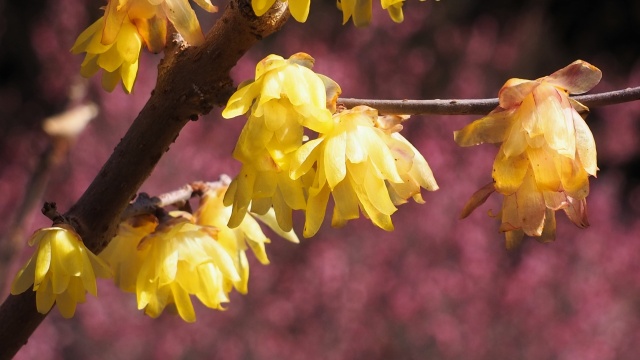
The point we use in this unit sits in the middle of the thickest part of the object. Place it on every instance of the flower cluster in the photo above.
(166, 262)
(547, 152)
(358, 156)
(113, 43)
(61, 271)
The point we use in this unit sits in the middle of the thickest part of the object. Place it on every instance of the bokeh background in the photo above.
(435, 288)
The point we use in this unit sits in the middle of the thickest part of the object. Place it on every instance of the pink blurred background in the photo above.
(435, 288)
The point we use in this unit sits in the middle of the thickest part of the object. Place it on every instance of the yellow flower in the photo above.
(285, 97)
(547, 152)
(62, 270)
(365, 166)
(150, 18)
(118, 59)
(299, 8)
(360, 10)
(113, 43)
(212, 212)
(122, 253)
(179, 259)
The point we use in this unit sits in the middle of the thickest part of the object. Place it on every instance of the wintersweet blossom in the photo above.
(299, 8)
(212, 212)
(61, 271)
(547, 152)
(365, 165)
(360, 10)
(285, 97)
(123, 255)
(118, 59)
(113, 43)
(182, 259)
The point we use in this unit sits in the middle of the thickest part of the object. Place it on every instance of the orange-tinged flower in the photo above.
(547, 152)
(61, 271)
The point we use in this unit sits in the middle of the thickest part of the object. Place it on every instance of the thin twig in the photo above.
(478, 106)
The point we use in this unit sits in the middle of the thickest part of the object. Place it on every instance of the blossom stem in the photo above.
(478, 106)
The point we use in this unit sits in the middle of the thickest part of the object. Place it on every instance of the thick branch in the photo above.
(478, 106)
(190, 82)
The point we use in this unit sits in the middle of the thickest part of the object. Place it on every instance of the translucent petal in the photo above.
(240, 102)
(269, 219)
(305, 157)
(492, 128)
(556, 123)
(316, 207)
(153, 32)
(89, 66)
(24, 278)
(283, 211)
(585, 145)
(577, 77)
(513, 239)
(85, 37)
(113, 21)
(516, 142)
(577, 212)
(44, 298)
(182, 16)
(335, 159)
(531, 206)
(395, 12)
(129, 72)
(549, 228)
(361, 13)
(129, 43)
(110, 80)
(346, 203)
(206, 5)
(377, 194)
(508, 173)
(183, 303)
(544, 169)
(43, 262)
(575, 179)
(514, 91)
(291, 191)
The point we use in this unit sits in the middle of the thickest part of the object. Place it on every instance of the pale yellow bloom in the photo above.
(299, 8)
(212, 212)
(61, 271)
(118, 59)
(179, 259)
(113, 43)
(122, 253)
(360, 10)
(364, 166)
(547, 152)
(285, 97)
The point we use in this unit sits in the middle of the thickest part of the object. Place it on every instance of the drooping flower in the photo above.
(113, 43)
(61, 271)
(360, 10)
(122, 253)
(212, 212)
(365, 166)
(547, 152)
(118, 59)
(285, 97)
(299, 8)
(180, 259)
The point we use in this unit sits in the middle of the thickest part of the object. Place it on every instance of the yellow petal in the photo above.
(182, 16)
(585, 146)
(492, 128)
(299, 9)
(508, 173)
(316, 207)
(531, 206)
(577, 77)
(544, 169)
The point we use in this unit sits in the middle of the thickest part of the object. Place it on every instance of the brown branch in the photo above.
(144, 204)
(190, 82)
(478, 106)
